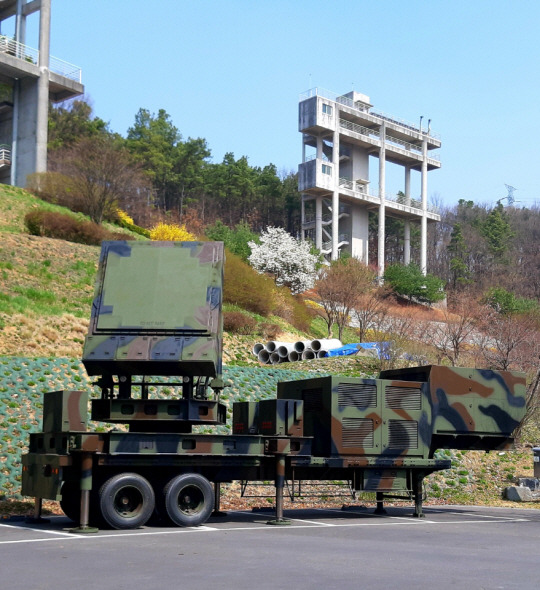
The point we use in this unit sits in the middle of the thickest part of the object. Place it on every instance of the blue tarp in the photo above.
(354, 348)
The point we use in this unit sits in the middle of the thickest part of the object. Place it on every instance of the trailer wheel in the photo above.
(189, 499)
(126, 501)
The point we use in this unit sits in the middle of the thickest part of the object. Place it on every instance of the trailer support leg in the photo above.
(37, 518)
(86, 487)
(380, 504)
(217, 500)
(418, 497)
(280, 484)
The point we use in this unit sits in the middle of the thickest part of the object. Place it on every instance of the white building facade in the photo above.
(29, 79)
(339, 134)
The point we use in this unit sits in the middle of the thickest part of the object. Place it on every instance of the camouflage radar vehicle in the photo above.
(157, 313)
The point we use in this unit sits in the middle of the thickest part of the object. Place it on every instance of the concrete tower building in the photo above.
(29, 79)
(339, 134)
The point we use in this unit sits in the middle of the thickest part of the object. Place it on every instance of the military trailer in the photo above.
(157, 312)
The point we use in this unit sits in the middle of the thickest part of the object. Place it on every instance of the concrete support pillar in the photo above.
(20, 36)
(407, 223)
(302, 217)
(318, 223)
(319, 148)
(20, 24)
(382, 206)
(43, 86)
(423, 230)
(335, 196)
(15, 132)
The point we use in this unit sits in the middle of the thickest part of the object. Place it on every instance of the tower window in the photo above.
(327, 169)
(327, 109)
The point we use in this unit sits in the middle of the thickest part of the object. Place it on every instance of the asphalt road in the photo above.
(453, 547)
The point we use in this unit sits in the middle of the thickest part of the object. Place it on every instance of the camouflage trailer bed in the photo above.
(157, 311)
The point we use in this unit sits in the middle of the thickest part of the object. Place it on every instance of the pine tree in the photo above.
(458, 262)
(498, 233)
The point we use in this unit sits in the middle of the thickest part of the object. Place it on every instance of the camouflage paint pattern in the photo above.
(166, 411)
(157, 310)
(269, 417)
(401, 422)
(64, 411)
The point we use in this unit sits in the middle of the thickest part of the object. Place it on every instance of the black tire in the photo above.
(126, 501)
(189, 499)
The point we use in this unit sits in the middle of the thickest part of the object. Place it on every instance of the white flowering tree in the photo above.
(288, 260)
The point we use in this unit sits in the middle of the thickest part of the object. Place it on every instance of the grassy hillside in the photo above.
(47, 285)
(45, 297)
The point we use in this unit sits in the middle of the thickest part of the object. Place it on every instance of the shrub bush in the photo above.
(124, 220)
(293, 309)
(410, 282)
(236, 240)
(174, 232)
(244, 287)
(269, 331)
(237, 322)
(56, 188)
(62, 226)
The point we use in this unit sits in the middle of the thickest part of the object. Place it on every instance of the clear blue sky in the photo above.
(231, 71)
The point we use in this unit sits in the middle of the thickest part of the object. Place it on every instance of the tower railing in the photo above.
(31, 55)
(361, 130)
(5, 155)
(361, 189)
(340, 99)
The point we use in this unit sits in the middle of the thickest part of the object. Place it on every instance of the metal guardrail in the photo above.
(357, 187)
(355, 128)
(342, 239)
(413, 203)
(16, 49)
(310, 218)
(314, 157)
(5, 155)
(64, 68)
(31, 55)
(371, 133)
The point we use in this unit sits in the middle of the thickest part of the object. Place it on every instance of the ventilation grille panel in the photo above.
(357, 432)
(402, 434)
(312, 400)
(357, 395)
(403, 398)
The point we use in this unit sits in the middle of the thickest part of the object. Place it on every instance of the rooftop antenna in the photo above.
(421, 117)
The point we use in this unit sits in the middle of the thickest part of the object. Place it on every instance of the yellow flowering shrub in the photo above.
(123, 216)
(171, 232)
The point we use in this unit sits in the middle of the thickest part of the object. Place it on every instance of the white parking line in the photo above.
(306, 524)
(27, 528)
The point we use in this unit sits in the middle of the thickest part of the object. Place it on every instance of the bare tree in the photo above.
(369, 312)
(393, 332)
(103, 175)
(339, 288)
(532, 403)
(510, 341)
(452, 334)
